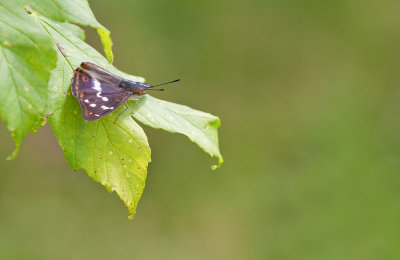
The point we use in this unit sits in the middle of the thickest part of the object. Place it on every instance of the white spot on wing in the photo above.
(96, 85)
(98, 94)
(105, 107)
(92, 105)
(86, 100)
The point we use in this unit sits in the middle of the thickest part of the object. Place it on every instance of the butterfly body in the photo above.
(100, 92)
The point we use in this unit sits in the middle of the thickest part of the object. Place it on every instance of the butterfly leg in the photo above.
(134, 105)
(126, 107)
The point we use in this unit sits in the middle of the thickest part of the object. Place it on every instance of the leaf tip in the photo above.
(14, 153)
(107, 43)
(216, 166)
(132, 211)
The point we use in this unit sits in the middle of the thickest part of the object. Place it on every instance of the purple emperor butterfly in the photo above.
(99, 92)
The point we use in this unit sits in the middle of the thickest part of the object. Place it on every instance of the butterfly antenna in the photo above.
(158, 89)
(166, 83)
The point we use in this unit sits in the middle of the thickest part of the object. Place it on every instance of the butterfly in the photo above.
(100, 92)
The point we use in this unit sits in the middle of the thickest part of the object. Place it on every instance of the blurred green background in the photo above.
(308, 94)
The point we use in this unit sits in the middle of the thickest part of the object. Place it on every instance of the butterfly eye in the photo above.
(84, 78)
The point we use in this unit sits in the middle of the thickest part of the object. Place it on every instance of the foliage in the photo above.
(35, 87)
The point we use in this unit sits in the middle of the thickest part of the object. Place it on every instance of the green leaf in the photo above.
(27, 55)
(200, 127)
(100, 147)
(26, 58)
(116, 155)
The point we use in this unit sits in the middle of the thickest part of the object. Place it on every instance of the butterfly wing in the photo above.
(98, 92)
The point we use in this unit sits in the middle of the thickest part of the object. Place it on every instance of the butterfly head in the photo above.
(136, 88)
(141, 88)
